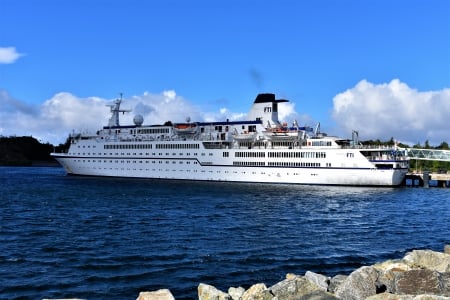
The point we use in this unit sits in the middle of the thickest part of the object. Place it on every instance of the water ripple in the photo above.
(64, 237)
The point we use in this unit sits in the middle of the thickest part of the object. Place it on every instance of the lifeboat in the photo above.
(282, 133)
(185, 128)
(244, 136)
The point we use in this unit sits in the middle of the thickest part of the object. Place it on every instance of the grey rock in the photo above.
(317, 295)
(163, 294)
(387, 296)
(335, 282)
(318, 279)
(293, 287)
(257, 291)
(427, 259)
(417, 282)
(360, 284)
(445, 280)
(447, 249)
(236, 293)
(209, 292)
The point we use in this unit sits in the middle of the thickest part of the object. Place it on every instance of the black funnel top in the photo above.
(267, 97)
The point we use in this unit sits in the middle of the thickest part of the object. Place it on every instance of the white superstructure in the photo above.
(259, 150)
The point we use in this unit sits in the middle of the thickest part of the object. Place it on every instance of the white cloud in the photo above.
(382, 111)
(377, 111)
(8, 55)
(64, 113)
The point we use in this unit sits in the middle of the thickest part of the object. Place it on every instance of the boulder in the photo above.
(447, 249)
(418, 282)
(386, 271)
(209, 292)
(236, 293)
(293, 287)
(318, 279)
(392, 265)
(163, 294)
(430, 297)
(360, 284)
(317, 295)
(387, 296)
(257, 291)
(335, 282)
(428, 259)
(445, 279)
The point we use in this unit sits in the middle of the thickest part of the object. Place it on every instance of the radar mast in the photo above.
(115, 110)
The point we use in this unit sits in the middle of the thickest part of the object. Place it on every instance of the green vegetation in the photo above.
(24, 151)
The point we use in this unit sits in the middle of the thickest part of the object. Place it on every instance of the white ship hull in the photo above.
(218, 152)
(192, 169)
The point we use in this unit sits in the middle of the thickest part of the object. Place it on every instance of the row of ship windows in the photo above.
(225, 154)
(177, 146)
(235, 163)
(322, 143)
(88, 146)
(249, 163)
(150, 146)
(128, 146)
(249, 154)
(152, 131)
(129, 153)
(298, 154)
(281, 154)
(193, 171)
(277, 164)
(295, 164)
(132, 161)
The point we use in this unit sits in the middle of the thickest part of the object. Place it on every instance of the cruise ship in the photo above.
(261, 149)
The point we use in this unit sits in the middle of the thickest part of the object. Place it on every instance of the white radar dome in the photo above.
(138, 120)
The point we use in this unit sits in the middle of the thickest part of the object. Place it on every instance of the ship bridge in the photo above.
(428, 154)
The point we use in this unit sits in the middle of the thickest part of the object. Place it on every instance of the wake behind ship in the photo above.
(261, 149)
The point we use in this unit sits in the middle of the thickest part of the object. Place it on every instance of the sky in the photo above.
(381, 67)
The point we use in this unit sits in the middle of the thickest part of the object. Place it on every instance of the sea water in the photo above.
(110, 238)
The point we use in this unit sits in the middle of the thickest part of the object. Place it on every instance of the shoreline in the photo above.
(34, 163)
(419, 275)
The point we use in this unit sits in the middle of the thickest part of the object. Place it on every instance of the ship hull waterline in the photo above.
(287, 175)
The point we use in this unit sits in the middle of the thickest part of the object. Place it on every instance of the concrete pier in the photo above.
(426, 179)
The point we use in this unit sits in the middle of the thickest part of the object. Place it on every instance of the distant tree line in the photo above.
(25, 150)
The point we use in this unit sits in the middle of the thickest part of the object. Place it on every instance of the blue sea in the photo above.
(104, 238)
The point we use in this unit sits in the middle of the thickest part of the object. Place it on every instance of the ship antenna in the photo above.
(115, 110)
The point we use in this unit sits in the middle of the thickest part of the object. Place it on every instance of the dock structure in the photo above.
(428, 154)
(423, 179)
(426, 178)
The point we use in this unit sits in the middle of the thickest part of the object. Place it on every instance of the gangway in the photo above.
(428, 154)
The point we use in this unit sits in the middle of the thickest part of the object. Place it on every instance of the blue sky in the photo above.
(380, 67)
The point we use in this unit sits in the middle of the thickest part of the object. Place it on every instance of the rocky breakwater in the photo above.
(420, 275)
